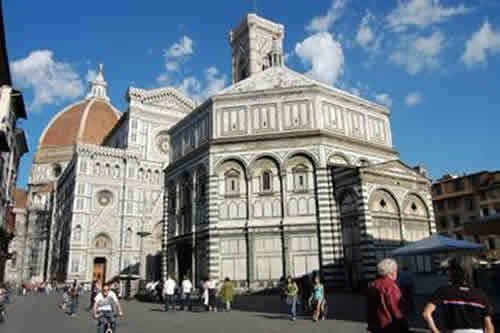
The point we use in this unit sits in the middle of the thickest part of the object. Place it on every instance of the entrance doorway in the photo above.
(185, 260)
(99, 270)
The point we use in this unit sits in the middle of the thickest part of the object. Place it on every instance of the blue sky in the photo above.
(435, 64)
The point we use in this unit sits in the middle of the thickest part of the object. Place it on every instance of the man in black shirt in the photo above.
(465, 309)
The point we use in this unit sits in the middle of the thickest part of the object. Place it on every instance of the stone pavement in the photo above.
(40, 314)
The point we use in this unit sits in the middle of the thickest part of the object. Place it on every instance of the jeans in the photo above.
(292, 306)
(73, 306)
(187, 302)
(103, 318)
(169, 301)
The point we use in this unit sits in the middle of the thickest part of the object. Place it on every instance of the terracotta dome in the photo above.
(84, 122)
(88, 121)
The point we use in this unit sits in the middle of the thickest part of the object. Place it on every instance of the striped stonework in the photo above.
(164, 258)
(213, 261)
(367, 246)
(330, 237)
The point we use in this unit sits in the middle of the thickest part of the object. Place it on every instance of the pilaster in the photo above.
(330, 238)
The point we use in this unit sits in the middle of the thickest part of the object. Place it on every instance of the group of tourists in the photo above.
(389, 300)
(212, 296)
(464, 309)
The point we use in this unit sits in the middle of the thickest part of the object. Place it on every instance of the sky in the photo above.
(434, 64)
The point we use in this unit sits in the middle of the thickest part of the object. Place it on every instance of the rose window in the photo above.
(104, 198)
(162, 143)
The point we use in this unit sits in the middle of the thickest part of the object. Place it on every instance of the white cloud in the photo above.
(91, 75)
(419, 53)
(190, 86)
(384, 99)
(177, 53)
(413, 99)
(163, 79)
(365, 33)
(482, 41)
(182, 48)
(51, 81)
(324, 55)
(365, 36)
(322, 23)
(421, 14)
(213, 82)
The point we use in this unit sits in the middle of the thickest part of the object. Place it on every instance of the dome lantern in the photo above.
(98, 86)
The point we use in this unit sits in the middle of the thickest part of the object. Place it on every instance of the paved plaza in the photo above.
(40, 314)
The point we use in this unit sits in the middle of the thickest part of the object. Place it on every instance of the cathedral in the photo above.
(276, 174)
(280, 174)
(96, 187)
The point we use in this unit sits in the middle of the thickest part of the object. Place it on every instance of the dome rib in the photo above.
(88, 121)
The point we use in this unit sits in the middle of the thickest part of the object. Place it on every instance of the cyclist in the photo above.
(106, 306)
(3, 303)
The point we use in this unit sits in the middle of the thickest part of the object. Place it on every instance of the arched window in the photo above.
(232, 180)
(102, 242)
(128, 237)
(267, 181)
(300, 178)
(77, 236)
(116, 172)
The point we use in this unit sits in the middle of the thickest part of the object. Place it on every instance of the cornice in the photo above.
(304, 134)
(88, 149)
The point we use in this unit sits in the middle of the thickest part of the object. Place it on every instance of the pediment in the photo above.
(272, 78)
(167, 97)
(396, 168)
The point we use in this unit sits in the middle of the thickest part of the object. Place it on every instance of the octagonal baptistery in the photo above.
(257, 171)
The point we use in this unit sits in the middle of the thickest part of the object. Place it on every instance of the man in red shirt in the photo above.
(383, 298)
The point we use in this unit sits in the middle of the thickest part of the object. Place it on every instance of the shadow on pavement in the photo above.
(280, 317)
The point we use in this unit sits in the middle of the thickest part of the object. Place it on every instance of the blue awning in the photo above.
(437, 244)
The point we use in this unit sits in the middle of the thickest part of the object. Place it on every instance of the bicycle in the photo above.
(108, 322)
(108, 326)
(3, 316)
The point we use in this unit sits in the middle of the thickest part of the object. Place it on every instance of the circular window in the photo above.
(104, 198)
(162, 143)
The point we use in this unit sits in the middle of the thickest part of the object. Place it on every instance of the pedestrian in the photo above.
(382, 301)
(407, 286)
(204, 293)
(465, 309)
(211, 285)
(227, 293)
(291, 292)
(94, 290)
(159, 290)
(169, 293)
(187, 288)
(65, 299)
(74, 295)
(317, 298)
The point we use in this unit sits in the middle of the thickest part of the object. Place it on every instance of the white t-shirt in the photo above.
(211, 284)
(187, 286)
(169, 287)
(104, 303)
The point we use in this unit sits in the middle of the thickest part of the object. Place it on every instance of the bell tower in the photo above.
(256, 44)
